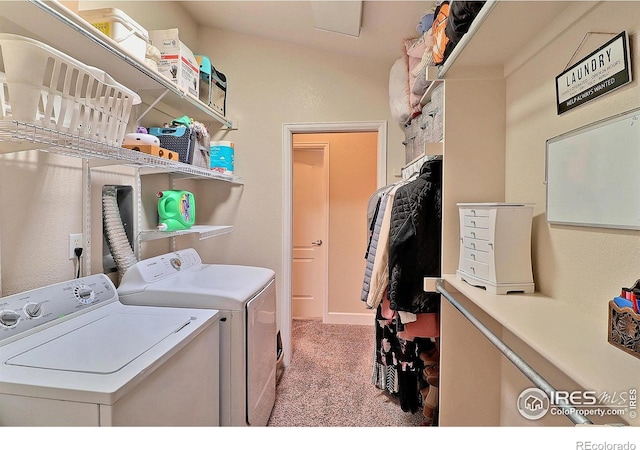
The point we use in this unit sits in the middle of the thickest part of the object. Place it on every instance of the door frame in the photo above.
(288, 130)
(324, 148)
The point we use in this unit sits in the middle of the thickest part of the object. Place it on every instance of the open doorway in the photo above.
(379, 131)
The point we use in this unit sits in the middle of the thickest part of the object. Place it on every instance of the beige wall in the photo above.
(270, 84)
(585, 266)
(352, 180)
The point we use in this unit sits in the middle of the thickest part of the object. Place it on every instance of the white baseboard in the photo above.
(352, 318)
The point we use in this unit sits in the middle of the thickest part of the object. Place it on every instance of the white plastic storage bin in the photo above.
(44, 87)
(125, 31)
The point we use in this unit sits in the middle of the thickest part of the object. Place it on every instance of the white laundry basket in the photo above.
(45, 87)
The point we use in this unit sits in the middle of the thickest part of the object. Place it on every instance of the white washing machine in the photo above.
(71, 355)
(246, 298)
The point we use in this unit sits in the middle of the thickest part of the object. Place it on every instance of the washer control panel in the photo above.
(23, 312)
(163, 266)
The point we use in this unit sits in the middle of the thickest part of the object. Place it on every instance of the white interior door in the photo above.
(310, 224)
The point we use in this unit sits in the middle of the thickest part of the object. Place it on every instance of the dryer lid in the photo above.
(103, 346)
(219, 286)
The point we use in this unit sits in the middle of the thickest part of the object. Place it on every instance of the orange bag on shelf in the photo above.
(441, 43)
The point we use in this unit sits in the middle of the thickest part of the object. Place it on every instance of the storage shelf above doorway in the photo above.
(485, 45)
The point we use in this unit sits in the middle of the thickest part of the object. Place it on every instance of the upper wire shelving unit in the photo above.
(52, 22)
(18, 136)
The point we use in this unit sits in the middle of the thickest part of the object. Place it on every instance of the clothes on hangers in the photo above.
(373, 206)
(380, 262)
(424, 325)
(400, 366)
(376, 270)
(403, 249)
(376, 227)
(415, 237)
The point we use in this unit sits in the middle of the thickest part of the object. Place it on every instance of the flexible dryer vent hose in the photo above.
(114, 231)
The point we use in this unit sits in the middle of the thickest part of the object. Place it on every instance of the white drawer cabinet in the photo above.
(495, 246)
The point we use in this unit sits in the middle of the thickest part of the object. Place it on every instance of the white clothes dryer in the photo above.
(72, 355)
(246, 298)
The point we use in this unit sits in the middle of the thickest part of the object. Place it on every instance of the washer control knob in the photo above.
(176, 263)
(9, 318)
(84, 294)
(33, 309)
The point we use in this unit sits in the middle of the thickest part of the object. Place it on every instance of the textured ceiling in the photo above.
(384, 24)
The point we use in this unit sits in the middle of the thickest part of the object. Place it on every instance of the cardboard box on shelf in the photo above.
(154, 150)
(177, 61)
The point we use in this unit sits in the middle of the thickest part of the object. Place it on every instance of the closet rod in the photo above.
(521, 364)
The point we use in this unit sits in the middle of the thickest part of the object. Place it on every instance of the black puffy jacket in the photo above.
(415, 240)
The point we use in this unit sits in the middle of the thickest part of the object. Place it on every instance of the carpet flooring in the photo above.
(328, 382)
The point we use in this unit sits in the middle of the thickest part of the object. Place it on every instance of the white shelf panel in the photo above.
(495, 36)
(431, 149)
(205, 232)
(571, 340)
(432, 74)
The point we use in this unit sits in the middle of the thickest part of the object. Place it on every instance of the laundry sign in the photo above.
(602, 71)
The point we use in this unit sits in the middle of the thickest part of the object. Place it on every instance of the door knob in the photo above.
(318, 242)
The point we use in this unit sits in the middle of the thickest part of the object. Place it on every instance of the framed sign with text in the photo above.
(600, 72)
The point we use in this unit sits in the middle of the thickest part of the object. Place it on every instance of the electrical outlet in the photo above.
(75, 241)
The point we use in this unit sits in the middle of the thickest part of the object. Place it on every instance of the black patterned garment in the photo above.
(398, 367)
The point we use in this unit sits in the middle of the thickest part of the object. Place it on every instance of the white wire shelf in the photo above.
(205, 232)
(19, 136)
(53, 20)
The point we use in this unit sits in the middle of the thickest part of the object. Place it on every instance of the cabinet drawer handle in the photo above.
(473, 255)
(473, 222)
(491, 245)
(473, 211)
(473, 234)
(473, 245)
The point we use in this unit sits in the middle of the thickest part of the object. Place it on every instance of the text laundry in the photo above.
(587, 67)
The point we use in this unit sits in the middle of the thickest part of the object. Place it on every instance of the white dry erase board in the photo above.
(593, 174)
